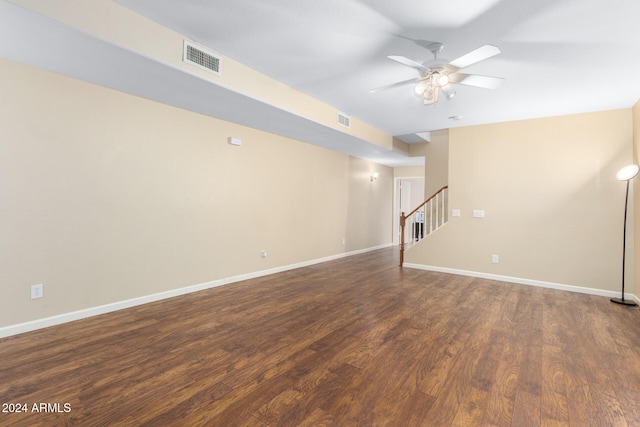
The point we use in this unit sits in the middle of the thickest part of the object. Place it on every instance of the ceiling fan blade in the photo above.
(485, 82)
(475, 56)
(408, 62)
(392, 85)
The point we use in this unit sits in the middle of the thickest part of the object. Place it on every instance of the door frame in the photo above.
(395, 226)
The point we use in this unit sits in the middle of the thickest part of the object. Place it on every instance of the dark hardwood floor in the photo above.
(353, 342)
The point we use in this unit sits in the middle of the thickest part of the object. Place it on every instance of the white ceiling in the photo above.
(558, 57)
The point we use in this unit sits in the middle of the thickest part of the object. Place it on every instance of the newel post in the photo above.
(403, 219)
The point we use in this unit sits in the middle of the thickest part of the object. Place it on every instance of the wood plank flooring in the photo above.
(353, 342)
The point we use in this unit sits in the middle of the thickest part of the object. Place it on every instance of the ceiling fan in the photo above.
(437, 75)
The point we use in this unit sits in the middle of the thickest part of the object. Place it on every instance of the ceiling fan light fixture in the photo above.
(421, 88)
(449, 92)
(429, 93)
(442, 80)
(443, 75)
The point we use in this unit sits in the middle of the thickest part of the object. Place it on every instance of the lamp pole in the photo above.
(625, 174)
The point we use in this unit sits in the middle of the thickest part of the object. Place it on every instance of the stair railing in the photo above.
(424, 220)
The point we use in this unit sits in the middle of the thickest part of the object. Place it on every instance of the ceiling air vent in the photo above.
(344, 120)
(202, 58)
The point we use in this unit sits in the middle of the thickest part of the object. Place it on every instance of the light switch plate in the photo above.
(478, 213)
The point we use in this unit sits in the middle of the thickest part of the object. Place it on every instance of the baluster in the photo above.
(411, 233)
(416, 236)
(430, 216)
(444, 199)
(403, 220)
(437, 211)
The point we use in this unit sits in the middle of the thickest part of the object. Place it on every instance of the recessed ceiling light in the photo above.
(455, 118)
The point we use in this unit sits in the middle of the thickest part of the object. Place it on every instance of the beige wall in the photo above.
(636, 191)
(436, 163)
(409, 172)
(369, 205)
(106, 197)
(109, 21)
(553, 206)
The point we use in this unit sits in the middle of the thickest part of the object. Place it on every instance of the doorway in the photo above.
(408, 194)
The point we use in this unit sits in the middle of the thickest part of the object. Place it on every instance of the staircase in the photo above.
(423, 220)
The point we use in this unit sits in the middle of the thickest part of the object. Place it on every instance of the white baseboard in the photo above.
(520, 281)
(301, 264)
(33, 325)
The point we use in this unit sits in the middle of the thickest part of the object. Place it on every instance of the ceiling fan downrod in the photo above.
(435, 49)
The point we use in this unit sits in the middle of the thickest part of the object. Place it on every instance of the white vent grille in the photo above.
(344, 120)
(202, 58)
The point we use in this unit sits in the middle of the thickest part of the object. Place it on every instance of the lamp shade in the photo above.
(627, 172)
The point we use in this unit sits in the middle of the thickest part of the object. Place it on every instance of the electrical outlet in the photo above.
(263, 254)
(36, 291)
(495, 259)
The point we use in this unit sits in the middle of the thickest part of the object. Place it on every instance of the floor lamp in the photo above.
(625, 174)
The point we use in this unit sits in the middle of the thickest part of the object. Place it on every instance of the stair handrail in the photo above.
(403, 219)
